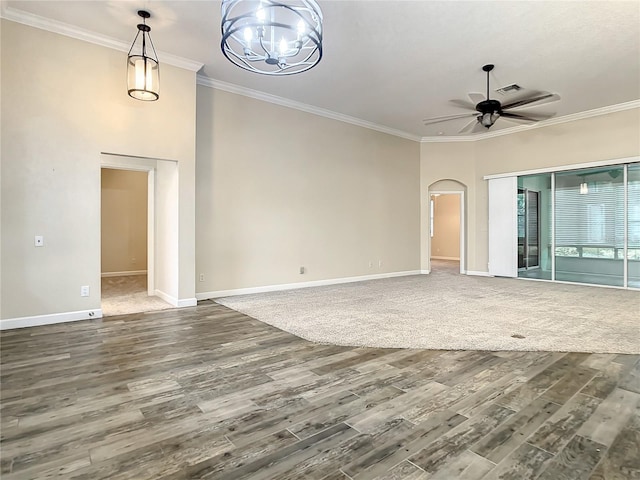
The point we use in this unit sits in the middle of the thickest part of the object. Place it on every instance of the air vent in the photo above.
(513, 88)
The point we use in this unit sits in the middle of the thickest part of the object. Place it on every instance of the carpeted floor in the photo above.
(445, 310)
(128, 294)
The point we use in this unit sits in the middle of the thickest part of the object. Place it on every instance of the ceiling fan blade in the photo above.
(479, 128)
(540, 98)
(469, 126)
(428, 121)
(515, 117)
(476, 97)
(463, 104)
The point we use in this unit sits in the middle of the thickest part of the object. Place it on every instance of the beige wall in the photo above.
(611, 136)
(445, 242)
(124, 220)
(448, 167)
(63, 102)
(278, 189)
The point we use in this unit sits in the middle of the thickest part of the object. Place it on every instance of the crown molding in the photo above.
(285, 102)
(61, 28)
(546, 123)
(247, 92)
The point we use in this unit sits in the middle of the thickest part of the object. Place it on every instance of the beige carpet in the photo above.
(128, 294)
(445, 310)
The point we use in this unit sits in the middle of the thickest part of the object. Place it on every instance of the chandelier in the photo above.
(271, 37)
(143, 75)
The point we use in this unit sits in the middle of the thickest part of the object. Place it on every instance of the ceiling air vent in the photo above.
(513, 88)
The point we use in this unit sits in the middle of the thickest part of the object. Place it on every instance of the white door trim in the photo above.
(151, 232)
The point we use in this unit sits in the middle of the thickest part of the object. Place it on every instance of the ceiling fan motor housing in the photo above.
(489, 106)
(489, 110)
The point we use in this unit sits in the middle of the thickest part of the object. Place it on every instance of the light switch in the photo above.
(39, 241)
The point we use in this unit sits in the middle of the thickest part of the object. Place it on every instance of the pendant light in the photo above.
(272, 37)
(584, 188)
(143, 74)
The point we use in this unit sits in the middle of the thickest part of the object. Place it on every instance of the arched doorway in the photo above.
(447, 225)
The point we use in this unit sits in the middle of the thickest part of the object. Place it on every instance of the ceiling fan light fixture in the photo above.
(272, 37)
(143, 69)
(488, 119)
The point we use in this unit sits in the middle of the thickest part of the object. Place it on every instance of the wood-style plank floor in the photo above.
(207, 392)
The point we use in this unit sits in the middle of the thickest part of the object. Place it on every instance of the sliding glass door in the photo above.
(581, 226)
(633, 225)
(534, 240)
(589, 226)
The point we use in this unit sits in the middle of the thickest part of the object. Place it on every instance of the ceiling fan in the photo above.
(487, 111)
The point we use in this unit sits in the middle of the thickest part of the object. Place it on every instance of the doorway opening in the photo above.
(446, 231)
(127, 242)
(159, 289)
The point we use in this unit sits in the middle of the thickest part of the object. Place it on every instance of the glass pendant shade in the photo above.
(143, 70)
(272, 37)
(143, 78)
(488, 119)
(584, 188)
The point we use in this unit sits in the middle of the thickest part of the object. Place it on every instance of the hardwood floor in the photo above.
(210, 393)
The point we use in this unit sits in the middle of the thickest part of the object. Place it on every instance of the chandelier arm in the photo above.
(261, 41)
(307, 57)
(242, 58)
(293, 54)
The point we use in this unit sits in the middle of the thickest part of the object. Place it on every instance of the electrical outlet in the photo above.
(84, 291)
(370, 264)
(301, 270)
(202, 277)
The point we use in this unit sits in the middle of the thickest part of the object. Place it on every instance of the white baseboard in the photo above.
(479, 274)
(187, 302)
(445, 258)
(292, 286)
(425, 272)
(166, 297)
(176, 302)
(37, 320)
(124, 274)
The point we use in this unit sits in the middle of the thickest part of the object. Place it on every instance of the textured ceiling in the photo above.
(394, 63)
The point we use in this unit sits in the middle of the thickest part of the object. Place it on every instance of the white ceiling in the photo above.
(394, 63)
